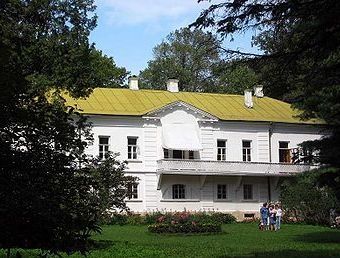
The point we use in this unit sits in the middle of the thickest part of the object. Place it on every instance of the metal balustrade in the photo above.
(207, 167)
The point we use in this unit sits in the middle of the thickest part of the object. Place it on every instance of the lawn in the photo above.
(238, 240)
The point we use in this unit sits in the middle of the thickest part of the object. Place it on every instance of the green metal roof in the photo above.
(113, 101)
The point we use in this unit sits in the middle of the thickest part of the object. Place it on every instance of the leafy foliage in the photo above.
(300, 41)
(185, 228)
(189, 56)
(305, 198)
(51, 195)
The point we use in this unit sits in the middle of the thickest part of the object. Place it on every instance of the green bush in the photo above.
(304, 199)
(118, 219)
(168, 217)
(185, 228)
(198, 217)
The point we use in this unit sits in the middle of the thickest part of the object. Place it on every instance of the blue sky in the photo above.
(129, 29)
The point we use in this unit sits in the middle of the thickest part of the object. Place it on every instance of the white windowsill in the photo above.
(134, 200)
(134, 161)
(180, 200)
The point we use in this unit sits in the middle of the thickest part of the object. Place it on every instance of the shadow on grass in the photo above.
(321, 237)
(290, 254)
(101, 245)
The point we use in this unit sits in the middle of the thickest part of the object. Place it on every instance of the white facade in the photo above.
(231, 185)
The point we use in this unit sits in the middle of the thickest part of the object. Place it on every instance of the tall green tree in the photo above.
(51, 193)
(301, 45)
(187, 55)
(235, 76)
(105, 67)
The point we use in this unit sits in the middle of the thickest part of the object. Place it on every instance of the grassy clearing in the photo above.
(238, 240)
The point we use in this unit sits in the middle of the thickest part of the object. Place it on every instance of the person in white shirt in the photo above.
(278, 216)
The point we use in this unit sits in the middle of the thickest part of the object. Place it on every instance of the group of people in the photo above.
(270, 217)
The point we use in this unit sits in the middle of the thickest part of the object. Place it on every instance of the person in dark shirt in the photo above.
(264, 216)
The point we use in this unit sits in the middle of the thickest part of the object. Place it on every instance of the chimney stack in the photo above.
(172, 85)
(258, 91)
(133, 83)
(248, 99)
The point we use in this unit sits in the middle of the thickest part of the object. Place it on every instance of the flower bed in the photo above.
(185, 222)
(170, 217)
(185, 228)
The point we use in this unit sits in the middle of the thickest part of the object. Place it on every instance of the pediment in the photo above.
(177, 106)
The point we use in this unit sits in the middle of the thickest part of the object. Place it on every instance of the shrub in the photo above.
(199, 217)
(185, 228)
(118, 219)
(306, 200)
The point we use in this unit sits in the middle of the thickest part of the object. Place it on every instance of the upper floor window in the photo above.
(221, 150)
(178, 191)
(247, 192)
(132, 191)
(103, 147)
(178, 154)
(132, 147)
(246, 150)
(221, 192)
(284, 152)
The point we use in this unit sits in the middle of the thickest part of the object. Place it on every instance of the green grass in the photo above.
(238, 240)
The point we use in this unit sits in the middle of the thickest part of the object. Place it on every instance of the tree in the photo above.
(51, 196)
(305, 198)
(301, 45)
(187, 55)
(235, 77)
(112, 76)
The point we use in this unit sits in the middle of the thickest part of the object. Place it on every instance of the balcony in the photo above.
(206, 167)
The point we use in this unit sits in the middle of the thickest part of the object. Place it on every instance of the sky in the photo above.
(128, 30)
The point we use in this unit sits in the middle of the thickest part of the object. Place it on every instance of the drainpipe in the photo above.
(270, 130)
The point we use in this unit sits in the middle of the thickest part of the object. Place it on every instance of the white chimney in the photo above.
(133, 83)
(248, 98)
(172, 85)
(258, 91)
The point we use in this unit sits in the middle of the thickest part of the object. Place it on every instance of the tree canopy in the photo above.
(186, 55)
(300, 63)
(51, 193)
(194, 57)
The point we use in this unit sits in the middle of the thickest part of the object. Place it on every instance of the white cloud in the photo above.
(133, 12)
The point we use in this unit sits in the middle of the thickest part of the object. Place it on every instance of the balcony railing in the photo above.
(204, 167)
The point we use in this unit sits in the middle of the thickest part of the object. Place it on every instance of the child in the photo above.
(264, 216)
(278, 216)
(272, 217)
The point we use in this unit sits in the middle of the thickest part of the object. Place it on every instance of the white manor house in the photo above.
(198, 151)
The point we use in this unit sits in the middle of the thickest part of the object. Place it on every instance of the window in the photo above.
(132, 147)
(178, 191)
(132, 191)
(177, 154)
(284, 152)
(103, 147)
(166, 153)
(246, 148)
(221, 150)
(221, 191)
(247, 192)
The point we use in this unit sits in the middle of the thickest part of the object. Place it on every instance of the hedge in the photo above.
(185, 228)
(168, 217)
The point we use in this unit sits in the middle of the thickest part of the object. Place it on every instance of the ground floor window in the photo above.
(221, 192)
(132, 191)
(178, 191)
(247, 192)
